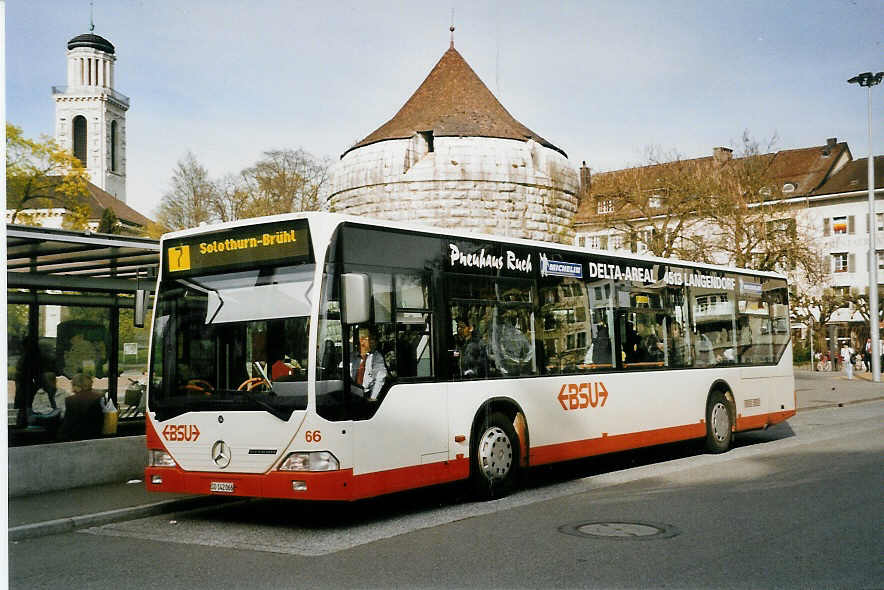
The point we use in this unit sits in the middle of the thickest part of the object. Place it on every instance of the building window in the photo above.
(616, 242)
(840, 262)
(581, 241)
(839, 225)
(606, 206)
(113, 146)
(427, 136)
(80, 139)
(655, 201)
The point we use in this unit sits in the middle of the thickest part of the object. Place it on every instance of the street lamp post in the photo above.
(868, 79)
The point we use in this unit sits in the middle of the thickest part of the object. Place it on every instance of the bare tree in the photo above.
(750, 224)
(191, 198)
(655, 205)
(284, 181)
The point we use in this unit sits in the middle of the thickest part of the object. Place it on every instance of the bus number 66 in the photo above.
(312, 436)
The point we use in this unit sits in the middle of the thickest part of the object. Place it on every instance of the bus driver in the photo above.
(368, 370)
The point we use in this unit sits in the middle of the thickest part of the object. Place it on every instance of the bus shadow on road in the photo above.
(329, 516)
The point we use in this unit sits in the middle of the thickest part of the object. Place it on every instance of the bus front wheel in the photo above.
(719, 423)
(495, 457)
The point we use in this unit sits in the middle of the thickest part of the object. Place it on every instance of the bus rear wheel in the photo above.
(495, 457)
(719, 423)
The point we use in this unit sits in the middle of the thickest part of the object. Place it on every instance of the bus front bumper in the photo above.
(303, 485)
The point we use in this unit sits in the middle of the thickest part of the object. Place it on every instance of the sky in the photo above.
(603, 80)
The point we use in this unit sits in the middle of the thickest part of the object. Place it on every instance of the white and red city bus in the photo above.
(485, 356)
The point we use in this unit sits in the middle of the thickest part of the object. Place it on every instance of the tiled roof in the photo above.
(453, 101)
(807, 168)
(853, 176)
(99, 200)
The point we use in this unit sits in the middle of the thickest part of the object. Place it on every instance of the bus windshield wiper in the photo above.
(278, 412)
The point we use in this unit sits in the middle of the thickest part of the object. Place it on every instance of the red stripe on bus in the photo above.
(152, 438)
(613, 443)
(332, 485)
(609, 443)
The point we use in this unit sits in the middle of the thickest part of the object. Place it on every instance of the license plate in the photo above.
(221, 486)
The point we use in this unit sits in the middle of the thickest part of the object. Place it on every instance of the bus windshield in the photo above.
(232, 341)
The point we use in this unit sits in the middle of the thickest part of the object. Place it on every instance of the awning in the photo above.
(41, 259)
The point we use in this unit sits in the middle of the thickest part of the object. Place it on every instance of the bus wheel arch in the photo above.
(721, 417)
(499, 433)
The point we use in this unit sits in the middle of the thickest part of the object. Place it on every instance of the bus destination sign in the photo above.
(246, 245)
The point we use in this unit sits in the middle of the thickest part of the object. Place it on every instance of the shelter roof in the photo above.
(453, 101)
(45, 258)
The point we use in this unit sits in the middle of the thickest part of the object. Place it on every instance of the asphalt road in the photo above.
(796, 506)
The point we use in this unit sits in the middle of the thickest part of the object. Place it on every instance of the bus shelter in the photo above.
(71, 298)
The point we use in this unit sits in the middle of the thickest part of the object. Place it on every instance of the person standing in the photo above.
(867, 355)
(846, 354)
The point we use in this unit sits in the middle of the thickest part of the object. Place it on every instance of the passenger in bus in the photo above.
(473, 351)
(368, 370)
(601, 346)
(705, 350)
(676, 345)
(651, 349)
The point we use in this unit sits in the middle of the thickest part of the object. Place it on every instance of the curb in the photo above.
(68, 524)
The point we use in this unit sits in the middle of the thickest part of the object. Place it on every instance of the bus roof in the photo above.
(336, 219)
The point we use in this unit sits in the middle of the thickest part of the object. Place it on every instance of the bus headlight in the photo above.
(310, 461)
(159, 459)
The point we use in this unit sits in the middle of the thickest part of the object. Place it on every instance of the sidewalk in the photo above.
(66, 510)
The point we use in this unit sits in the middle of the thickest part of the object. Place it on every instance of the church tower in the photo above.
(90, 116)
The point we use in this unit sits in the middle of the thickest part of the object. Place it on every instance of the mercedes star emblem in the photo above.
(221, 454)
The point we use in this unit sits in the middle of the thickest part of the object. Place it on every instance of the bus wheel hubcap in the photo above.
(720, 422)
(495, 453)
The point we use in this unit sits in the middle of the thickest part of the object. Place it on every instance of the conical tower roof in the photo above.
(453, 101)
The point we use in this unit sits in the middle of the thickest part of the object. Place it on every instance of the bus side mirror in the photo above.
(355, 298)
(140, 307)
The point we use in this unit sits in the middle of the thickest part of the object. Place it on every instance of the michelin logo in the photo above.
(557, 268)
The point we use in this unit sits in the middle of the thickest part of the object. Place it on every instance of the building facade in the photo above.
(821, 189)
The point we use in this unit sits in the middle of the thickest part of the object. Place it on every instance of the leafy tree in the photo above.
(109, 223)
(40, 175)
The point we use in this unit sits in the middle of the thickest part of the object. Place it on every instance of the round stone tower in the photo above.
(454, 157)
